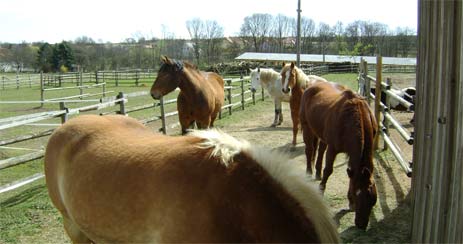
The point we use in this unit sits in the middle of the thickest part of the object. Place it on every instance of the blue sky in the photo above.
(53, 21)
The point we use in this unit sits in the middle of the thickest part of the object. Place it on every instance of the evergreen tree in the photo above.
(45, 58)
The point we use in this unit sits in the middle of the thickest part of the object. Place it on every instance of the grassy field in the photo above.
(27, 215)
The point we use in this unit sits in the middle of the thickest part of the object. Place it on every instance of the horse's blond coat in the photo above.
(114, 180)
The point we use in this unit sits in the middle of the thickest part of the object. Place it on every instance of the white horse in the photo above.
(270, 80)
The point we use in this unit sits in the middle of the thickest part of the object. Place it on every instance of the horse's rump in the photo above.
(118, 182)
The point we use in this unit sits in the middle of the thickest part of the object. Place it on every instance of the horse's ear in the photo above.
(284, 64)
(292, 65)
(166, 60)
(258, 69)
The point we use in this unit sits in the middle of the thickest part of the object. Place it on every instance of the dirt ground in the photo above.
(390, 220)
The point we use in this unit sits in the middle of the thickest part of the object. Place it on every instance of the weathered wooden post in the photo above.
(81, 91)
(163, 116)
(41, 88)
(242, 91)
(121, 103)
(379, 63)
(64, 117)
(137, 77)
(17, 80)
(366, 80)
(229, 97)
(388, 105)
(96, 77)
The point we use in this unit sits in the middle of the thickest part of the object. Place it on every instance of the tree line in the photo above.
(208, 45)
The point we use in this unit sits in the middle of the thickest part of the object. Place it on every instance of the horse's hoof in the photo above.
(318, 177)
(322, 189)
(273, 125)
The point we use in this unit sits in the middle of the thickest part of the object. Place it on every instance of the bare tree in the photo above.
(213, 34)
(281, 30)
(405, 38)
(257, 27)
(195, 28)
(324, 34)
(307, 34)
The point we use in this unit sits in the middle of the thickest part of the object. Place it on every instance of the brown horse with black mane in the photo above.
(343, 121)
(116, 181)
(295, 81)
(201, 93)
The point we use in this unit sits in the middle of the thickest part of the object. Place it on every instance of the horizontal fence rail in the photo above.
(237, 93)
(365, 81)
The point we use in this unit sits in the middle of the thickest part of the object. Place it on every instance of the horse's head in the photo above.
(168, 77)
(288, 77)
(255, 79)
(362, 195)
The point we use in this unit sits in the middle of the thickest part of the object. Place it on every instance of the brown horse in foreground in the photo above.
(113, 180)
(201, 93)
(295, 81)
(343, 121)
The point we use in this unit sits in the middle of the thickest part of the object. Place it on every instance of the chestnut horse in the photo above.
(343, 121)
(271, 81)
(295, 81)
(201, 93)
(115, 181)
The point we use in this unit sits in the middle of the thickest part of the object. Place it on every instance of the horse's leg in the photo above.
(318, 165)
(277, 111)
(309, 140)
(76, 235)
(280, 113)
(330, 156)
(295, 118)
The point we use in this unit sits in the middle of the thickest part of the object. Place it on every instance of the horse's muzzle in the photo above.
(253, 90)
(286, 91)
(156, 95)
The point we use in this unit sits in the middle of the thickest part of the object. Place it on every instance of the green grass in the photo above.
(27, 215)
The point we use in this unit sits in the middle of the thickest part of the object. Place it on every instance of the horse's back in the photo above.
(118, 184)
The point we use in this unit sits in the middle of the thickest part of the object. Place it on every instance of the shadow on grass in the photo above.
(29, 195)
(394, 228)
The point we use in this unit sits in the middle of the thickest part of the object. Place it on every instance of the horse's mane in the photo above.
(282, 170)
(267, 75)
(178, 65)
(302, 79)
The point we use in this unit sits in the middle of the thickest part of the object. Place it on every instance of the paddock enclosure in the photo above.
(391, 212)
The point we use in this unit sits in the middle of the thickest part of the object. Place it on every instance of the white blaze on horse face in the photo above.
(255, 80)
(288, 73)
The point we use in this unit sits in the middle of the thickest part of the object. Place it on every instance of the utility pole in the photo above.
(298, 38)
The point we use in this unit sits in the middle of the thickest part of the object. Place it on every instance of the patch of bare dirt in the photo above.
(391, 213)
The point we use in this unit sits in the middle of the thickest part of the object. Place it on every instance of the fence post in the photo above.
(121, 103)
(366, 80)
(80, 85)
(379, 64)
(388, 105)
(117, 77)
(96, 77)
(242, 91)
(229, 96)
(163, 116)
(64, 117)
(41, 88)
(3, 82)
(30, 81)
(17, 80)
(136, 77)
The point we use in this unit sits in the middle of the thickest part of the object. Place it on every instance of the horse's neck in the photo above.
(190, 81)
(302, 80)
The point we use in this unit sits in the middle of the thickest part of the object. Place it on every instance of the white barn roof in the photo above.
(318, 58)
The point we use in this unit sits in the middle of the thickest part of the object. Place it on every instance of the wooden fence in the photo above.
(383, 110)
(19, 80)
(237, 91)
